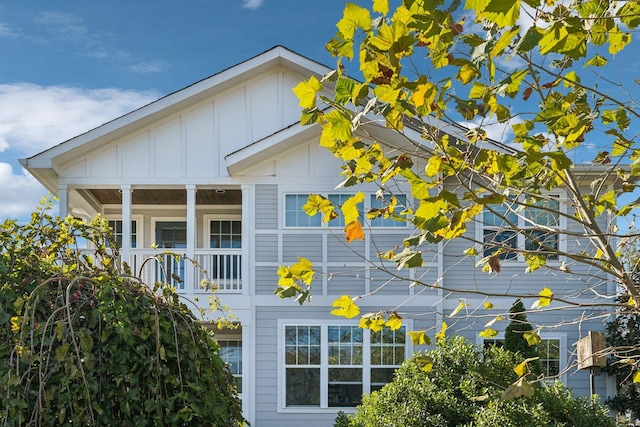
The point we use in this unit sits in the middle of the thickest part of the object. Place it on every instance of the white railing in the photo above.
(221, 266)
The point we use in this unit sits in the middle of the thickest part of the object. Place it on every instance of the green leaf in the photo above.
(596, 61)
(504, 13)
(424, 362)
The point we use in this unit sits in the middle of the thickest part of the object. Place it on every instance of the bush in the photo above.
(83, 343)
(465, 387)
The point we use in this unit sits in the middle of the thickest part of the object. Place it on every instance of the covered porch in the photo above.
(202, 225)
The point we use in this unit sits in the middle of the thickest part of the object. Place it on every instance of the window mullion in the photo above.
(324, 367)
(366, 362)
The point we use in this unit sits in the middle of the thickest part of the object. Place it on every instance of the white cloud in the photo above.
(6, 31)
(157, 66)
(20, 194)
(252, 4)
(33, 118)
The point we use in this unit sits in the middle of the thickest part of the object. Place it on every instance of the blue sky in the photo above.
(71, 65)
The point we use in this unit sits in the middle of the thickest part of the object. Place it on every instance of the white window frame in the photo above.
(139, 220)
(522, 224)
(324, 364)
(206, 232)
(561, 337)
(366, 205)
(237, 339)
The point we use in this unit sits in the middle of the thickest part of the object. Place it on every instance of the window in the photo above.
(225, 234)
(116, 226)
(231, 354)
(548, 351)
(327, 366)
(377, 203)
(498, 229)
(295, 215)
(387, 353)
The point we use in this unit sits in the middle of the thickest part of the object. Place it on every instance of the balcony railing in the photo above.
(220, 266)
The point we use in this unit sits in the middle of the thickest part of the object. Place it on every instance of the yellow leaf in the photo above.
(419, 338)
(443, 330)
(353, 17)
(460, 306)
(306, 92)
(350, 207)
(520, 369)
(317, 203)
(636, 377)
(488, 333)
(394, 321)
(354, 231)
(344, 306)
(15, 324)
(373, 321)
(488, 305)
(545, 298)
(424, 362)
(381, 6)
(532, 337)
(631, 302)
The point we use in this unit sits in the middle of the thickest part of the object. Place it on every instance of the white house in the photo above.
(219, 171)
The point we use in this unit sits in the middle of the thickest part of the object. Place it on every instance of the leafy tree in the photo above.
(517, 333)
(445, 76)
(84, 343)
(465, 387)
(623, 335)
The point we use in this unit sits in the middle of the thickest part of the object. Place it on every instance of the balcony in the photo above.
(221, 266)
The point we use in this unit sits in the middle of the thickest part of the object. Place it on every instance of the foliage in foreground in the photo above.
(465, 387)
(83, 344)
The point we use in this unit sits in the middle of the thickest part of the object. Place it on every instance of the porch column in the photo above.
(248, 238)
(125, 251)
(189, 273)
(63, 200)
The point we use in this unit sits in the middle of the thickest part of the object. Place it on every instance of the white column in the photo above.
(125, 251)
(248, 238)
(63, 200)
(189, 273)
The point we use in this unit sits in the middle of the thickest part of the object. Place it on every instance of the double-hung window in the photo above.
(332, 365)
(512, 229)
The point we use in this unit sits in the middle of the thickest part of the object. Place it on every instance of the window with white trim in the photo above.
(328, 366)
(548, 353)
(231, 354)
(382, 203)
(504, 229)
(116, 226)
(295, 216)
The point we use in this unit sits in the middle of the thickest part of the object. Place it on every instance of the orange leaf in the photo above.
(354, 231)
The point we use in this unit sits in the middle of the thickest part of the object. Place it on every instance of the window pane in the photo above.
(541, 239)
(345, 387)
(303, 386)
(494, 240)
(378, 204)
(225, 234)
(549, 351)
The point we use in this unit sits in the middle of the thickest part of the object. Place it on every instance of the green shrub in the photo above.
(83, 343)
(465, 387)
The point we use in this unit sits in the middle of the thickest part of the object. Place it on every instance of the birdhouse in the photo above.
(591, 351)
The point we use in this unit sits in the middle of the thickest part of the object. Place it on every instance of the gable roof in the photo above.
(42, 165)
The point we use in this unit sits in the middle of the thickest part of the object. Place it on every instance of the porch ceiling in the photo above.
(143, 196)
